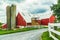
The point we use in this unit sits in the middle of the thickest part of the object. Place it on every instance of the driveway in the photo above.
(28, 35)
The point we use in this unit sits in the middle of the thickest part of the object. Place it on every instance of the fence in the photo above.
(51, 29)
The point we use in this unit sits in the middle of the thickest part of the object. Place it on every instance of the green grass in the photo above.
(58, 29)
(43, 26)
(45, 36)
(2, 32)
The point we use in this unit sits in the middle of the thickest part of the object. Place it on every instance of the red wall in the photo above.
(4, 26)
(48, 20)
(44, 21)
(52, 19)
(20, 20)
(39, 21)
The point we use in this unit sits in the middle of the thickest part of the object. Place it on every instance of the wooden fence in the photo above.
(51, 29)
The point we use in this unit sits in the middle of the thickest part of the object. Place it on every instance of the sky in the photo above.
(31, 6)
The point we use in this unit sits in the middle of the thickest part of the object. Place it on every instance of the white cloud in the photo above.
(25, 5)
(33, 4)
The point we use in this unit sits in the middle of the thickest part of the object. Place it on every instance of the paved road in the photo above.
(29, 35)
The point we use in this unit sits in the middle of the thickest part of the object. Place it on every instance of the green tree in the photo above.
(1, 25)
(56, 10)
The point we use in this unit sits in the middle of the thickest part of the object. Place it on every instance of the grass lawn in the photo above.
(2, 32)
(45, 36)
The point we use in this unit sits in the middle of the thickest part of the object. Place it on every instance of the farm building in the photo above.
(20, 20)
(25, 19)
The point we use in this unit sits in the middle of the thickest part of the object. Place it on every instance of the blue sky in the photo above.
(31, 6)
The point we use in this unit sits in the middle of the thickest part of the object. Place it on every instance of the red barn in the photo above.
(4, 26)
(44, 21)
(48, 20)
(20, 20)
(52, 19)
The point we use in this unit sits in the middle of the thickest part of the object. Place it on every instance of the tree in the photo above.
(56, 10)
(1, 25)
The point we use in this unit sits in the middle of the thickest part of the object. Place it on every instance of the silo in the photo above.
(8, 13)
(13, 16)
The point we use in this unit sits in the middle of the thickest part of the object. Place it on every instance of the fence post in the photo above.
(49, 30)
